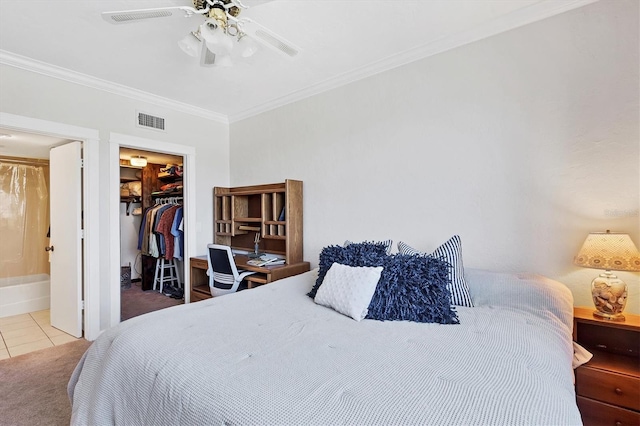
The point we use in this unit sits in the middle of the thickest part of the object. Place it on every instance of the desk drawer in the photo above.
(617, 389)
(596, 413)
(199, 263)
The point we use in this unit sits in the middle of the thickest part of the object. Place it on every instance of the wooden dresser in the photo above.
(608, 386)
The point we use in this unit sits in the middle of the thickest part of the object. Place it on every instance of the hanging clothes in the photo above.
(163, 230)
(155, 236)
(176, 231)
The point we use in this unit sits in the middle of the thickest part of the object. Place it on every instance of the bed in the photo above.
(271, 355)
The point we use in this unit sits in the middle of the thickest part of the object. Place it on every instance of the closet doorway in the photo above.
(151, 231)
(147, 146)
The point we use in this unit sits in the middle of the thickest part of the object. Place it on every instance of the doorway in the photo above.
(90, 274)
(135, 144)
(151, 211)
(25, 322)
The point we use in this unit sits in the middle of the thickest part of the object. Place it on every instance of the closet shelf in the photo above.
(167, 177)
(167, 194)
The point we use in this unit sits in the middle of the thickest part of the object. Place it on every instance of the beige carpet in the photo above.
(33, 386)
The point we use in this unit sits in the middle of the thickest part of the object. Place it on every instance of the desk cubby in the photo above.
(274, 211)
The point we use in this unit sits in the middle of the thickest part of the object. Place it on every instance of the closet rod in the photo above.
(23, 160)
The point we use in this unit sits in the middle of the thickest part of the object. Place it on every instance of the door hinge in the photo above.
(82, 234)
(82, 305)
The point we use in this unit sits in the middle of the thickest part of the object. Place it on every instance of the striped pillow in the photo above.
(451, 252)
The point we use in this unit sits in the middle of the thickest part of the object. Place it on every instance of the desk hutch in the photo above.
(274, 212)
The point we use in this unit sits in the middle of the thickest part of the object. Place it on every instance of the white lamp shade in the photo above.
(223, 61)
(610, 251)
(217, 41)
(190, 45)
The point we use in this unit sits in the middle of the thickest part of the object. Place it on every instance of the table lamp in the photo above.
(611, 251)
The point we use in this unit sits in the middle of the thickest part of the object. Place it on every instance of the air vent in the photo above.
(273, 41)
(134, 16)
(146, 120)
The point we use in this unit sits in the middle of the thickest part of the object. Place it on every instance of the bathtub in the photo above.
(21, 295)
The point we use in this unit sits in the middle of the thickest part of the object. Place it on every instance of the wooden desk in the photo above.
(264, 275)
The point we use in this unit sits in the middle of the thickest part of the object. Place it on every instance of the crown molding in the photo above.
(521, 17)
(32, 65)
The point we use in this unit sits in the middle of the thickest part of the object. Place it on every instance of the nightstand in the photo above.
(608, 386)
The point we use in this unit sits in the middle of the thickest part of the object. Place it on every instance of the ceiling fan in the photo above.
(221, 37)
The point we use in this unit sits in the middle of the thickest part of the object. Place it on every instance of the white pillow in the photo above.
(349, 289)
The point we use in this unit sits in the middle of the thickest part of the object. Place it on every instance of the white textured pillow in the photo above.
(349, 289)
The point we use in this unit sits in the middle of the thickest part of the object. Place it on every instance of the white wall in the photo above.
(521, 143)
(38, 96)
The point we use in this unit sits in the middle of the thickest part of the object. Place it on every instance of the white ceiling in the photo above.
(28, 145)
(340, 42)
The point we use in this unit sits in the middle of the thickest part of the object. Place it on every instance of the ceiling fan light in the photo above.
(211, 32)
(217, 41)
(247, 46)
(222, 45)
(224, 61)
(190, 45)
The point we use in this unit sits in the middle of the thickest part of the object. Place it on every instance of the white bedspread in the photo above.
(272, 356)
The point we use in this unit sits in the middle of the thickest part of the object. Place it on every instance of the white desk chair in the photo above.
(224, 276)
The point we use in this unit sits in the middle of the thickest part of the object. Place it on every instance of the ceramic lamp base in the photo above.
(609, 295)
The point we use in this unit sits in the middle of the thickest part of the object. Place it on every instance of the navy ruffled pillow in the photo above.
(354, 254)
(413, 288)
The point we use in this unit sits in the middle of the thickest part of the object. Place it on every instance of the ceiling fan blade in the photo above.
(269, 38)
(207, 57)
(126, 16)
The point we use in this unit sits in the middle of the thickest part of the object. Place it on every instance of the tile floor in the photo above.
(25, 333)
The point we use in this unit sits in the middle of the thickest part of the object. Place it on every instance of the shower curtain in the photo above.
(24, 220)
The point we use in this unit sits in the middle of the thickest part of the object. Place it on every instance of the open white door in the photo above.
(66, 237)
